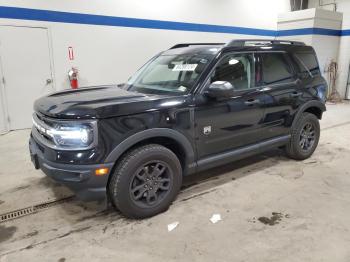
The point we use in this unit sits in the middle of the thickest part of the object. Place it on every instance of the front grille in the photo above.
(39, 116)
(44, 119)
(47, 137)
(41, 148)
(41, 123)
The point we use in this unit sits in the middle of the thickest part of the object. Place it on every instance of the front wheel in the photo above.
(145, 181)
(304, 138)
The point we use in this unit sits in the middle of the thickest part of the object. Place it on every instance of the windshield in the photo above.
(169, 74)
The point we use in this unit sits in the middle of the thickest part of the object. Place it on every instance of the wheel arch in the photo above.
(172, 139)
(314, 107)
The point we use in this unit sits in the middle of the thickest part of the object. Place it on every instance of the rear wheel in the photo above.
(305, 137)
(145, 181)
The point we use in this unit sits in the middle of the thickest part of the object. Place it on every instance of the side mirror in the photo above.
(220, 89)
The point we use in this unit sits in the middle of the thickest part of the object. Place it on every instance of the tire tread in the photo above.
(291, 148)
(119, 172)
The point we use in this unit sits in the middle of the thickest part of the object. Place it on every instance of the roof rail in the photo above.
(243, 42)
(189, 44)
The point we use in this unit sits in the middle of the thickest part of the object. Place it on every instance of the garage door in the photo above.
(26, 71)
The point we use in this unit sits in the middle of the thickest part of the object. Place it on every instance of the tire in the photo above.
(145, 181)
(303, 139)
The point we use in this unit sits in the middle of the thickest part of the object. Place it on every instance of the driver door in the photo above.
(230, 123)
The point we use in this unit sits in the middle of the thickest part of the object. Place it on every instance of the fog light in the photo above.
(101, 171)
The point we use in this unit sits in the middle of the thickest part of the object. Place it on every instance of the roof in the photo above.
(190, 49)
(239, 45)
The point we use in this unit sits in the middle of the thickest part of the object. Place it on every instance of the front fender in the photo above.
(153, 133)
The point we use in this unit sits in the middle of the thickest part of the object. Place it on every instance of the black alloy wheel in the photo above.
(145, 181)
(151, 183)
(307, 136)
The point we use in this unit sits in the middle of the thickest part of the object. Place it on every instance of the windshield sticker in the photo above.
(182, 88)
(185, 67)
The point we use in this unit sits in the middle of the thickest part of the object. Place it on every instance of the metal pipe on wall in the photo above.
(298, 4)
(326, 4)
(347, 90)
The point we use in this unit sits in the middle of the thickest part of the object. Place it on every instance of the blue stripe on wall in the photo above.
(345, 32)
(309, 31)
(77, 18)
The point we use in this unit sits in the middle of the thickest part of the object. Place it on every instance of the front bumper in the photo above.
(81, 179)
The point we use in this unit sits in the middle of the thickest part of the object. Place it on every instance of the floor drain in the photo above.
(16, 214)
(33, 209)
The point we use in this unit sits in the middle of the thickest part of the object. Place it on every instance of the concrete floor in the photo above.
(312, 199)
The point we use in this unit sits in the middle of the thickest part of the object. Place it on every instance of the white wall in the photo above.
(344, 46)
(325, 46)
(225, 12)
(3, 110)
(108, 54)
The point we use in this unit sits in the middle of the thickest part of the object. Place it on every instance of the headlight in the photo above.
(71, 135)
(66, 134)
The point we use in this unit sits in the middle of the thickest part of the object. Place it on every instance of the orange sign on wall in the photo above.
(70, 53)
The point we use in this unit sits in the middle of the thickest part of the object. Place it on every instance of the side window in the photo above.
(238, 69)
(276, 69)
(307, 62)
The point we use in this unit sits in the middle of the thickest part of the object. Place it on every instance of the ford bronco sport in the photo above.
(190, 108)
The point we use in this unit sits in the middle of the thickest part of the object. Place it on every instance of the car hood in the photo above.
(100, 102)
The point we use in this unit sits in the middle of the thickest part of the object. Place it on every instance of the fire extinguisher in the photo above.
(73, 77)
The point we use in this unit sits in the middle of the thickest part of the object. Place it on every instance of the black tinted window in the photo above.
(238, 69)
(307, 62)
(276, 69)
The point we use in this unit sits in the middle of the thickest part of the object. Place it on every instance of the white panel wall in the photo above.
(224, 12)
(344, 47)
(344, 66)
(326, 46)
(109, 54)
(3, 110)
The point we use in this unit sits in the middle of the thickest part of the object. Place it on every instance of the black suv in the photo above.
(190, 108)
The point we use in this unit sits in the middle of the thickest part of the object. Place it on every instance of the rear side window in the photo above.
(307, 62)
(276, 69)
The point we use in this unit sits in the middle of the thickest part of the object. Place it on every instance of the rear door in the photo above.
(282, 93)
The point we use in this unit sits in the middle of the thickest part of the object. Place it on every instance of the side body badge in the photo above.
(206, 130)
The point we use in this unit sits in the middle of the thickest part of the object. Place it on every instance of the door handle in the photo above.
(48, 81)
(252, 102)
(264, 89)
(296, 94)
